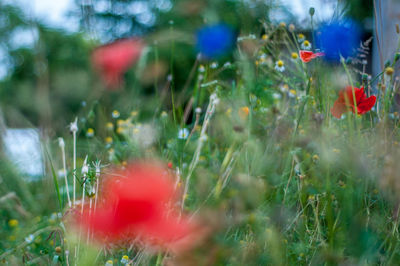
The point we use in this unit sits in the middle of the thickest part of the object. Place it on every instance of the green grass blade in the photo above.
(55, 179)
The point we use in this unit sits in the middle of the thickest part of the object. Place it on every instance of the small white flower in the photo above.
(301, 38)
(169, 78)
(61, 142)
(73, 127)
(115, 114)
(214, 65)
(292, 93)
(284, 88)
(164, 114)
(201, 77)
(276, 96)
(97, 166)
(109, 263)
(29, 239)
(262, 59)
(85, 167)
(197, 110)
(90, 133)
(214, 99)
(183, 133)
(125, 259)
(279, 66)
(306, 45)
(227, 64)
(202, 69)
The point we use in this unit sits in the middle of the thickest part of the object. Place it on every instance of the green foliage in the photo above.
(273, 177)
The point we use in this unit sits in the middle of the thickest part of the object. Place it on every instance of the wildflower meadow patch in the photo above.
(201, 133)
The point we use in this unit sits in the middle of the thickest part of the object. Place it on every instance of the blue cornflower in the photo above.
(214, 41)
(338, 38)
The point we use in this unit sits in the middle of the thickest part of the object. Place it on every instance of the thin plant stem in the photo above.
(62, 146)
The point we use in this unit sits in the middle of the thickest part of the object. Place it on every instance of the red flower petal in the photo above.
(137, 203)
(366, 105)
(345, 102)
(338, 109)
(358, 93)
(112, 60)
(307, 56)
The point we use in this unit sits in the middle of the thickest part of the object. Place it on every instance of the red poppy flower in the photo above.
(137, 203)
(307, 56)
(112, 60)
(345, 102)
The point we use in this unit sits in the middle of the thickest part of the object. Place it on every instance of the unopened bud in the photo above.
(389, 71)
(397, 28)
(365, 77)
(311, 11)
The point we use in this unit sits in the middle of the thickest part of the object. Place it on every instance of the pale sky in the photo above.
(324, 9)
(52, 12)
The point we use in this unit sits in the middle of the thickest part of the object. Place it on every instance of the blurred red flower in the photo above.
(138, 202)
(113, 60)
(307, 56)
(345, 102)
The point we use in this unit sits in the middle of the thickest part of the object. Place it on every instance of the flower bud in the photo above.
(311, 11)
(389, 71)
(364, 77)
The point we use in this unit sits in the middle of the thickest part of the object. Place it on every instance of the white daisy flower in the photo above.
(301, 38)
(279, 66)
(306, 45)
(292, 93)
(29, 239)
(125, 259)
(183, 133)
(115, 114)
